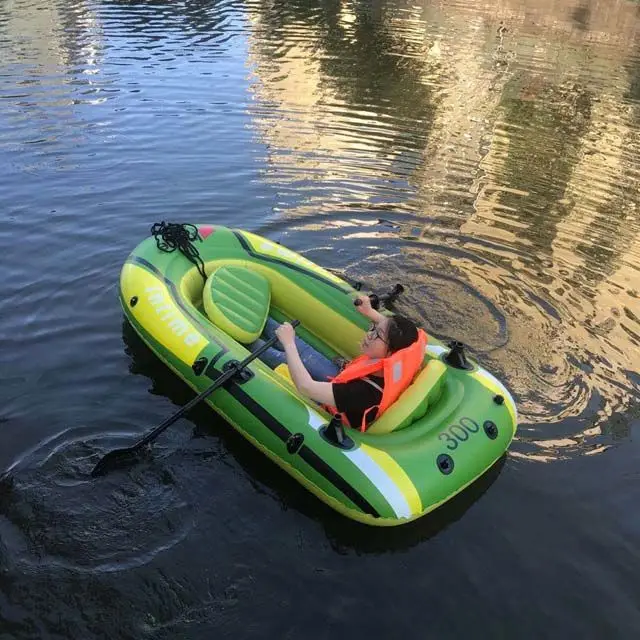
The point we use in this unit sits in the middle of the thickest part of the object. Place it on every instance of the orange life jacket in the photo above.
(398, 369)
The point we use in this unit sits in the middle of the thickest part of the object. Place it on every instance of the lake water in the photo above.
(484, 154)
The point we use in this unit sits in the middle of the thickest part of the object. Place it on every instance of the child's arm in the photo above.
(319, 391)
(368, 311)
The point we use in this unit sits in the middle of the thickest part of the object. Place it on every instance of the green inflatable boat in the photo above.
(447, 428)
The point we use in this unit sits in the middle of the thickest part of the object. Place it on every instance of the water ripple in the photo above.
(55, 516)
(485, 155)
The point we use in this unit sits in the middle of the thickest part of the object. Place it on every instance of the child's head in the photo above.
(388, 336)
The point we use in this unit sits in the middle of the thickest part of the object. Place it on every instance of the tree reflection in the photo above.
(345, 83)
(549, 125)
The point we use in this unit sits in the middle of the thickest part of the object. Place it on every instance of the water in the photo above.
(486, 155)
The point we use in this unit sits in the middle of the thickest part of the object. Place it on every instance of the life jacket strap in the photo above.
(364, 425)
(373, 384)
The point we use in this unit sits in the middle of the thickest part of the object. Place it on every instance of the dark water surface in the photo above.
(484, 154)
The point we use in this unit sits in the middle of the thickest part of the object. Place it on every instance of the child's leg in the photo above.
(271, 357)
(320, 367)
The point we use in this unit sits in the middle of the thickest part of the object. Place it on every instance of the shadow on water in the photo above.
(347, 535)
(266, 477)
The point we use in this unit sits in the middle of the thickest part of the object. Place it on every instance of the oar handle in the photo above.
(225, 377)
(376, 299)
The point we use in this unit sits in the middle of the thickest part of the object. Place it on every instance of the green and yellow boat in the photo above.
(453, 423)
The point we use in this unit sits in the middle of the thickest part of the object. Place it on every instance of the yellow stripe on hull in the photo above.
(488, 381)
(397, 475)
(159, 314)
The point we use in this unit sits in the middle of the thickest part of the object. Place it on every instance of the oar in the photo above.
(122, 457)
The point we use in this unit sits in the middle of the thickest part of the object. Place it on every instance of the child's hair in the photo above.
(401, 333)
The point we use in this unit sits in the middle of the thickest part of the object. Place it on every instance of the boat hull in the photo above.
(382, 479)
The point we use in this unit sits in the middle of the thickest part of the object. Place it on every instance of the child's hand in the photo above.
(286, 334)
(364, 307)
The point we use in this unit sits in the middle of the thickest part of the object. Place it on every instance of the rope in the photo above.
(171, 236)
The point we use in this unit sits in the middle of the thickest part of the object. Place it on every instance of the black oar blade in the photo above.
(117, 459)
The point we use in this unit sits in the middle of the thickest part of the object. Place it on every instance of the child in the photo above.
(392, 353)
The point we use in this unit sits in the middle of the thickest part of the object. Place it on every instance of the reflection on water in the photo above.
(485, 155)
(509, 138)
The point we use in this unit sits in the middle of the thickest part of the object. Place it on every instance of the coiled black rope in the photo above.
(171, 236)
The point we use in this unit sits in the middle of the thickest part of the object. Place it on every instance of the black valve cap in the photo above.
(445, 463)
(491, 429)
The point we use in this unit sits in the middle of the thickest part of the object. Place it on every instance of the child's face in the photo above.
(375, 341)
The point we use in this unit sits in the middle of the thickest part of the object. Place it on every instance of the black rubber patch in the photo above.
(445, 463)
(199, 365)
(491, 429)
(294, 442)
(498, 399)
(134, 301)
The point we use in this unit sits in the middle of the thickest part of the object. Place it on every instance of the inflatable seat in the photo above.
(414, 401)
(236, 300)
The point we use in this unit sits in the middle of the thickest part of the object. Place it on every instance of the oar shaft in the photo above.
(225, 377)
